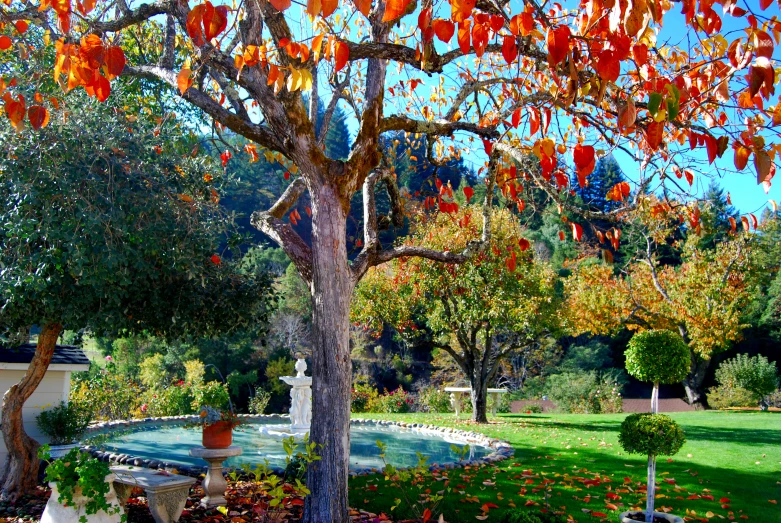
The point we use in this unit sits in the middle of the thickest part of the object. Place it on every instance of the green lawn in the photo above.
(734, 455)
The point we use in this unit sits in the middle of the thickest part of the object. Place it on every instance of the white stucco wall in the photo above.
(54, 388)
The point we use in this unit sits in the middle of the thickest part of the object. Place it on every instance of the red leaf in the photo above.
(426, 515)
(424, 19)
(516, 117)
(741, 157)
(468, 192)
(599, 514)
(584, 160)
(558, 44)
(463, 36)
(444, 29)
(5, 42)
(328, 7)
(653, 134)
(215, 259)
(115, 61)
(509, 49)
(341, 55)
(21, 26)
(38, 116)
(689, 177)
(524, 244)
(280, 5)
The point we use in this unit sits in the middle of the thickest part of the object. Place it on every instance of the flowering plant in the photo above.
(209, 416)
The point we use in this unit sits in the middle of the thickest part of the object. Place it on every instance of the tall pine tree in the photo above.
(606, 174)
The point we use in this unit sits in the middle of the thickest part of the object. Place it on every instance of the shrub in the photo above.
(651, 435)
(725, 396)
(106, 396)
(175, 400)
(64, 424)
(757, 375)
(259, 402)
(534, 409)
(584, 393)
(213, 394)
(364, 397)
(152, 373)
(394, 402)
(658, 356)
(524, 516)
(432, 399)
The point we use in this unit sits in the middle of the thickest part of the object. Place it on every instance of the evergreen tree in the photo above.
(715, 215)
(606, 174)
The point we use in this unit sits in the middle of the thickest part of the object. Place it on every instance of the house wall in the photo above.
(54, 388)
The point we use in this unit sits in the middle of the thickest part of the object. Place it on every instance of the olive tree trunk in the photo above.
(332, 287)
(479, 395)
(21, 466)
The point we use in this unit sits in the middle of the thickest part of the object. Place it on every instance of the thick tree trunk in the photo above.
(331, 365)
(479, 395)
(21, 467)
(693, 382)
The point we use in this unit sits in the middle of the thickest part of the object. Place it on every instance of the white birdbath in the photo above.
(300, 398)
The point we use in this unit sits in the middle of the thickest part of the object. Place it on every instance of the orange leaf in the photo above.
(38, 116)
(577, 232)
(194, 22)
(741, 156)
(394, 9)
(184, 79)
(341, 54)
(461, 10)
(653, 134)
(558, 44)
(364, 6)
(215, 20)
(463, 36)
(329, 6)
(14, 109)
(280, 5)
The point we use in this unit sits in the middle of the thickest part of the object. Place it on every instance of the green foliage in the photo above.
(658, 356)
(174, 400)
(584, 392)
(434, 399)
(651, 434)
(726, 396)
(756, 375)
(194, 372)
(107, 395)
(259, 401)
(64, 424)
(212, 394)
(364, 397)
(525, 516)
(77, 473)
(594, 355)
(277, 367)
(152, 372)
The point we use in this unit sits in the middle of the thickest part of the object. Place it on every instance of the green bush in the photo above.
(64, 424)
(725, 396)
(106, 395)
(364, 397)
(584, 393)
(651, 435)
(658, 356)
(756, 375)
(259, 402)
(519, 515)
(212, 394)
(432, 399)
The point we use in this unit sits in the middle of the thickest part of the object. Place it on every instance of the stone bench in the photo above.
(166, 493)
(455, 397)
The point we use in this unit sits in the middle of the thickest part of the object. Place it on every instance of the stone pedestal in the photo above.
(214, 485)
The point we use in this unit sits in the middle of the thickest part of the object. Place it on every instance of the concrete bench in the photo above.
(455, 397)
(166, 493)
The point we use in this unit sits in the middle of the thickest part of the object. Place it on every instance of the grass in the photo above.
(734, 455)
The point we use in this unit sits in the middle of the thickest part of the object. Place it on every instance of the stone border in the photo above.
(500, 449)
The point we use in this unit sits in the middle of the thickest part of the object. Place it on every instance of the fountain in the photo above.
(300, 405)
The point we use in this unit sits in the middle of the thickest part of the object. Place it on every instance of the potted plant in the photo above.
(82, 490)
(64, 425)
(218, 427)
(656, 356)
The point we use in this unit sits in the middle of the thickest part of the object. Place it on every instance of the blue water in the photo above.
(172, 442)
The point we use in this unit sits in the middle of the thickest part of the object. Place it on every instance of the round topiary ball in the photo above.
(651, 435)
(657, 356)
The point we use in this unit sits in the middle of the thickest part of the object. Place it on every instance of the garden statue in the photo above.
(300, 398)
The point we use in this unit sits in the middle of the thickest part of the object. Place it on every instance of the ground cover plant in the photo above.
(726, 471)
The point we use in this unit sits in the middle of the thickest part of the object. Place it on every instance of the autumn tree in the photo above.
(497, 303)
(502, 80)
(703, 298)
(108, 224)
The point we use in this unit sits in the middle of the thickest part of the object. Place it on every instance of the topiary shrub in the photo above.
(651, 434)
(525, 516)
(658, 356)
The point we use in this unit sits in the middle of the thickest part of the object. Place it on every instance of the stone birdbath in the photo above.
(214, 485)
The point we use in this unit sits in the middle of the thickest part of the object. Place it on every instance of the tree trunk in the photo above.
(651, 492)
(479, 395)
(693, 382)
(331, 365)
(21, 466)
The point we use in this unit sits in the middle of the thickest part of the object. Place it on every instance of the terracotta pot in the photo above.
(218, 435)
(624, 517)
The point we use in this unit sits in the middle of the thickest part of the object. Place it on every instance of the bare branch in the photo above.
(169, 45)
(288, 198)
(437, 127)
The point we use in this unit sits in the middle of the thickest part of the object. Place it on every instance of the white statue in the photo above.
(300, 398)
